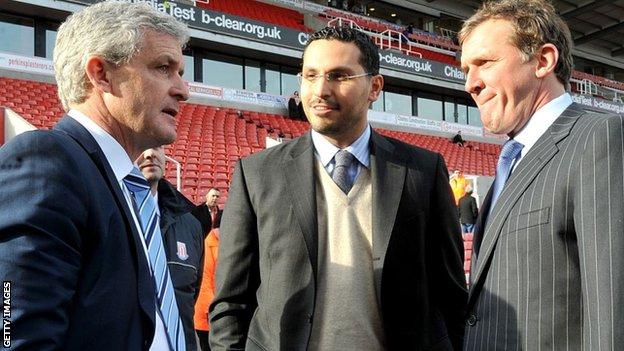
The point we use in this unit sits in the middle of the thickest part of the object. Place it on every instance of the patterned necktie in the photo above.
(510, 152)
(340, 175)
(145, 209)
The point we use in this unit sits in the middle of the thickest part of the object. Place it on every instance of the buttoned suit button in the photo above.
(471, 320)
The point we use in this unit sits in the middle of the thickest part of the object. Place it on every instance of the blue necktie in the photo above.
(145, 209)
(510, 152)
(343, 159)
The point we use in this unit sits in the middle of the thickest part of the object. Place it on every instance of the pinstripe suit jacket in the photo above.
(549, 265)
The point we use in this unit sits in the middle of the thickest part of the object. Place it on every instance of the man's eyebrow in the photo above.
(171, 60)
(335, 69)
(166, 56)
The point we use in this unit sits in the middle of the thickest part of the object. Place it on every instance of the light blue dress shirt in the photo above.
(325, 152)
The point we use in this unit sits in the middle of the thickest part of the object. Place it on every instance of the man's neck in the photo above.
(154, 187)
(343, 141)
(98, 113)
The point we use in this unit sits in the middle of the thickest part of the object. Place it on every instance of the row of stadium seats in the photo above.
(259, 11)
(433, 40)
(363, 22)
(476, 158)
(37, 102)
(211, 139)
(437, 56)
(598, 80)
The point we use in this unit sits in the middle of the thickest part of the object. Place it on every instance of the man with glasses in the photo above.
(341, 239)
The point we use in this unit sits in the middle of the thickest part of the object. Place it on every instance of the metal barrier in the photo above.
(392, 39)
(587, 87)
(178, 172)
(388, 39)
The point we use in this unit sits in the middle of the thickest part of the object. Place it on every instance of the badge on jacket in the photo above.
(182, 254)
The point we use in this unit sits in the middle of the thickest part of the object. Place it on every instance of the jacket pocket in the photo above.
(530, 219)
(253, 345)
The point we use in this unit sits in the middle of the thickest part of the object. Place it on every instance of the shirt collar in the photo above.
(325, 151)
(541, 120)
(116, 156)
(155, 201)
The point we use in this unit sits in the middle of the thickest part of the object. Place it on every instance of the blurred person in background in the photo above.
(209, 213)
(183, 238)
(468, 211)
(458, 139)
(458, 185)
(294, 106)
(207, 292)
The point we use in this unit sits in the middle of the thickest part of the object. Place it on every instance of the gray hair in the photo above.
(112, 30)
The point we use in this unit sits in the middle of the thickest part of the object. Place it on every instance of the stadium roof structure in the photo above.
(597, 26)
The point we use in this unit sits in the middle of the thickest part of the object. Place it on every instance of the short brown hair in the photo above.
(535, 23)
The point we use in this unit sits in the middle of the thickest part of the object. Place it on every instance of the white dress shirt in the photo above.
(539, 123)
(121, 165)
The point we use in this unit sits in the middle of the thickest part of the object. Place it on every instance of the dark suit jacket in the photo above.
(547, 269)
(293, 108)
(266, 276)
(80, 279)
(468, 211)
(202, 213)
(183, 238)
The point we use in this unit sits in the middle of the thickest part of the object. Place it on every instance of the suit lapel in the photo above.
(388, 176)
(145, 284)
(524, 174)
(299, 173)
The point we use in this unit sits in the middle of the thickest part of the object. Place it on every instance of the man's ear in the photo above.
(547, 58)
(376, 87)
(98, 73)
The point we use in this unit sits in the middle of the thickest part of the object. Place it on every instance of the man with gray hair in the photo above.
(80, 243)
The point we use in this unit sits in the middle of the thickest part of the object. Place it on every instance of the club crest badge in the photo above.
(182, 254)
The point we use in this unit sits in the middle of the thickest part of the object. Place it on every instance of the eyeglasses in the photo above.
(329, 77)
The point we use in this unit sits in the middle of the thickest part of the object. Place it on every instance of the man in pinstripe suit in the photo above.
(549, 247)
